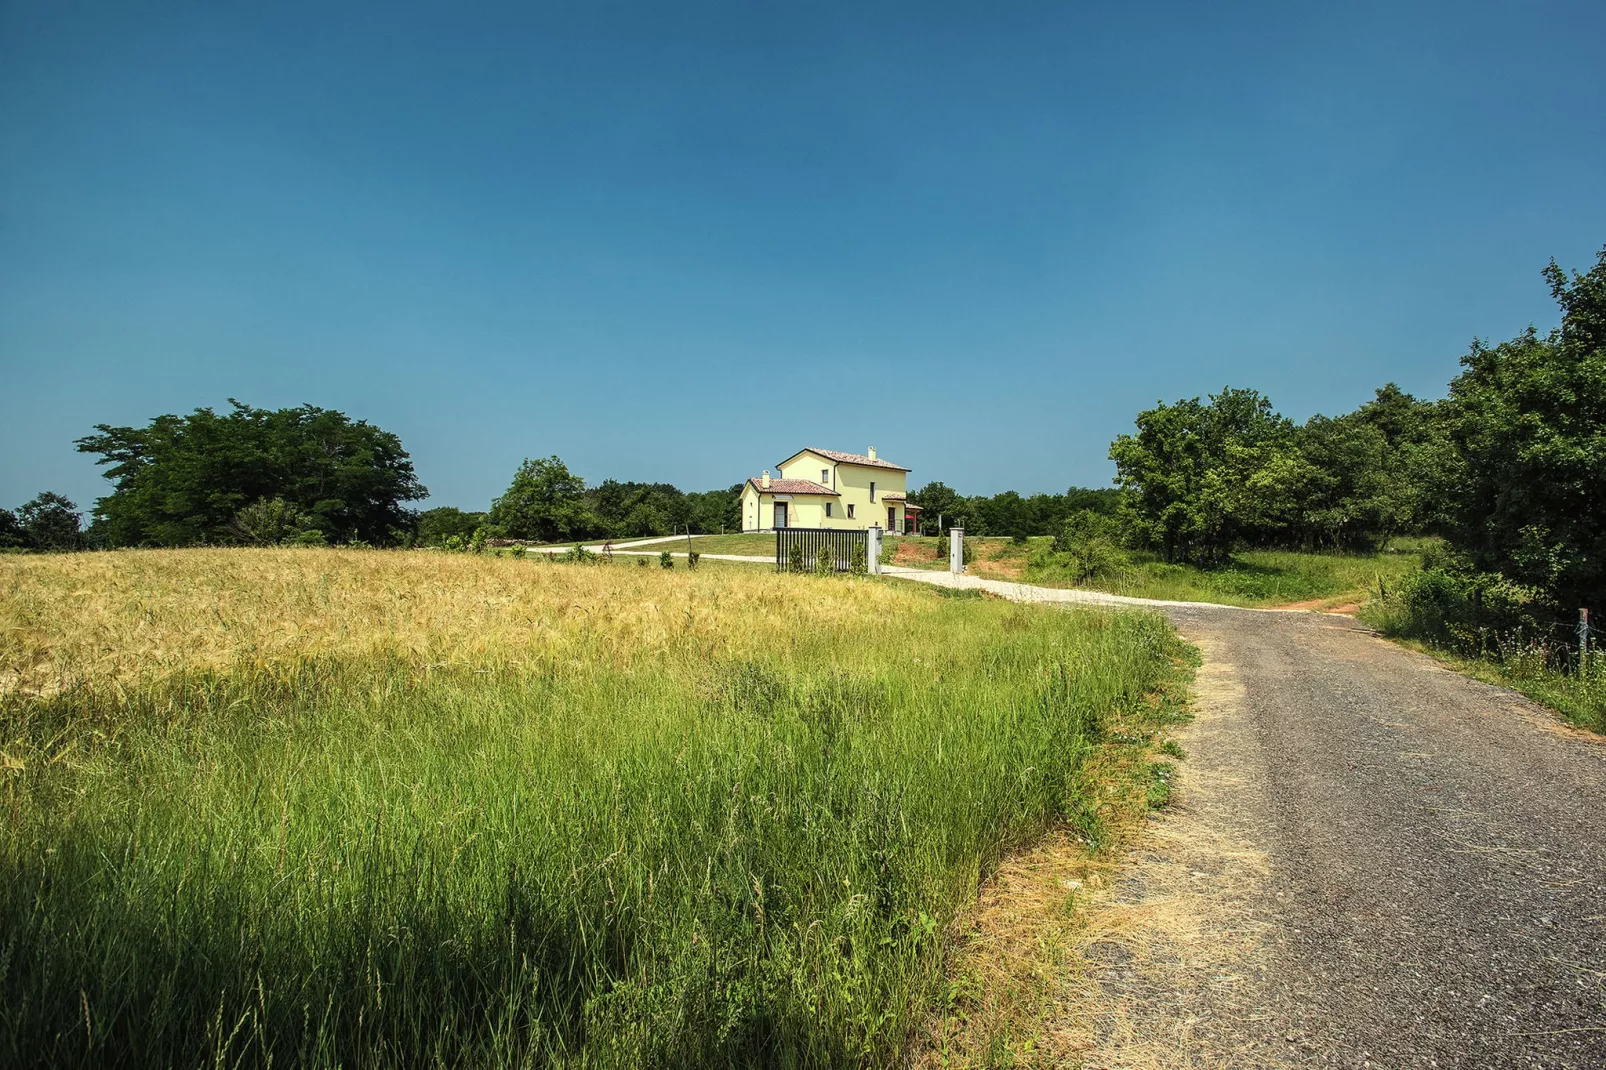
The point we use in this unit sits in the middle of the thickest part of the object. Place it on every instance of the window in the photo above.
(827, 508)
(872, 490)
(825, 477)
(850, 512)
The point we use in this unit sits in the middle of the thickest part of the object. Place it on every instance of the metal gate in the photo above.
(841, 545)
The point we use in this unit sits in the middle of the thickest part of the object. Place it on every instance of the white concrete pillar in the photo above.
(956, 550)
(872, 549)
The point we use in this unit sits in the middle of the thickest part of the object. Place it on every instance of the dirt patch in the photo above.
(1324, 605)
(913, 554)
(1172, 961)
(998, 560)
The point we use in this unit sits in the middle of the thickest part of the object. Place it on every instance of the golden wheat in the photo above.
(95, 619)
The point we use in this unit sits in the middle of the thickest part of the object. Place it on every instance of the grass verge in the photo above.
(380, 809)
(1014, 947)
(1251, 578)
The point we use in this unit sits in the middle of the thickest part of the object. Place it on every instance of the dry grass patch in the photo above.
(110, 618)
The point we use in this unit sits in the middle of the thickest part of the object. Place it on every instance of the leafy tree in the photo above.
(939, 504)
(714, 511)
(1528, 423)
(1106, 500)
(50, 523)
(545, 502)
(437, 525)
(1203, 476)
(182, 480)
(11, 536)
(1002, 514)
(1346, 500)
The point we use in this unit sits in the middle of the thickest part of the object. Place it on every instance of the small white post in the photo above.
(956, 551)
(872, 549)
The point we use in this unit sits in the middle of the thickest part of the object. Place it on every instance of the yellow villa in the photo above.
(830, 489)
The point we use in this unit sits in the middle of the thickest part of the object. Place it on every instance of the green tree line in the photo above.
(1008, 513)
(548, 503)
(1509, 468)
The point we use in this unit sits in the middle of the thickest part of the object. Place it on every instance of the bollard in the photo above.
(956, 551)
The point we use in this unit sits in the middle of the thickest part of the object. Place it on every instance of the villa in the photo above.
(830, 489)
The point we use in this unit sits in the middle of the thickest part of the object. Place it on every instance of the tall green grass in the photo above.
(691, 859)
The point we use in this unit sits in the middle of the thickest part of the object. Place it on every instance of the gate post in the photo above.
(956, 550)
(872, 549)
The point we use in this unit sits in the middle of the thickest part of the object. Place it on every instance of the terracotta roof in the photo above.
(894, 496)
(791, 486)
(853, 458)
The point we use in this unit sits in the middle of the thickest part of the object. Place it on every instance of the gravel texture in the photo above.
(1434, 888)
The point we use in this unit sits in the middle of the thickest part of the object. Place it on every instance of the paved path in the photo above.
(1373, 861)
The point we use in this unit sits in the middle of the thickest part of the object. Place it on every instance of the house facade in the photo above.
(817, 488)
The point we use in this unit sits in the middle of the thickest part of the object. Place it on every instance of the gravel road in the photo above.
(1429, 885)
(1371, 861)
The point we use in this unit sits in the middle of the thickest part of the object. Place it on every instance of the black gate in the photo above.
(810, 540)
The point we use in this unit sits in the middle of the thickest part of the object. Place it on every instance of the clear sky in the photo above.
(678, 241)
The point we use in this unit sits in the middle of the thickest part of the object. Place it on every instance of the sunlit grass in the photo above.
(363, 808)
(1250, 578)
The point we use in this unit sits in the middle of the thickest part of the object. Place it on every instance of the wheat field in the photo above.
(364, 808)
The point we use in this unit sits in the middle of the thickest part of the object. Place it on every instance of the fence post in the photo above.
(1583, 643)
(956, 550)
(872, 549)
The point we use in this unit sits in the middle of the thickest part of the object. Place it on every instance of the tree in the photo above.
(939, 504)
(545, 502)
(11, 536)
(437, 525)
(1203, 477)
(714, 511)
(182, 480)
(1347, 500)
(50, 523)
(1528, 423)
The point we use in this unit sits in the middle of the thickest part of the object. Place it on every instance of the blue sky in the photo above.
(678, 241)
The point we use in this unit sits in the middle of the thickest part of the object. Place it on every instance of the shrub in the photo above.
(794, 558)
(1086, 547)
(518, 551)
(666, 560)
(1085, 525)
(691, 559)
(824, 559)
(270, 522)
(859, 559)
(579, 555)
(641, 562)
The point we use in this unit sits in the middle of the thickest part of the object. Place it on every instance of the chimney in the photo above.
(766, 483)
(872, 453)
